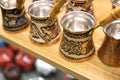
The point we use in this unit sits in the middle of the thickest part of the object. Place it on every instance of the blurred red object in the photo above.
(69, 77)
(25, 61)
(11, 71)
(9, 65)
(6, 55)
(13, 48)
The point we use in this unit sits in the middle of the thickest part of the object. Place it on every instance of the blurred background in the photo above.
(18, 65)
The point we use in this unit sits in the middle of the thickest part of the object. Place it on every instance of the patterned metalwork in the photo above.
(14, 19)
(42, 33)
(77, 46)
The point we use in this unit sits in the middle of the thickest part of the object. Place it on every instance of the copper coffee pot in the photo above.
(109, 52)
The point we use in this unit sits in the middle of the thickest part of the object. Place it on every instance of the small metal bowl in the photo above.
(78, 21)
(40, 9)
(116, 2)
(113, 29)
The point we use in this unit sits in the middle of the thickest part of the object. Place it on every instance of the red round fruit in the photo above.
(11, 71)
(6, 55)
(13, 48)
(9, 65)
(25, 61)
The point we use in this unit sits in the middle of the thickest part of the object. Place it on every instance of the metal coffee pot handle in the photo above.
(113, 15)
(19, 4)
(55, 10)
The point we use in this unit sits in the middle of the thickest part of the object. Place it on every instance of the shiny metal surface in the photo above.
(8, 4)
(116, 2)
(113, 29)
(109, 52)
(40, 9)
(78, 21)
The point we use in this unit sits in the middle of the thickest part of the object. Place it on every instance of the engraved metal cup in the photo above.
(13, 18)
(109, 53)
(40, 31)
(77, 42)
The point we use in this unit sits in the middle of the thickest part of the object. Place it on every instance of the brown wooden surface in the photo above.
(92, 69)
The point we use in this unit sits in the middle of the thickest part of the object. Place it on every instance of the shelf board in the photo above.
(92, 69)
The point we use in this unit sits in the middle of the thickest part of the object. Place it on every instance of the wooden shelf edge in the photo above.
(92, 69)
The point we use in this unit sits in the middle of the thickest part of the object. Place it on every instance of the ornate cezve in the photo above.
(77, 46)
(14, 19)
(77, 42)
(42, 33)
(44, 29)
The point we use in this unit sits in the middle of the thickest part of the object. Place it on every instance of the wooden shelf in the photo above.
(92, 69)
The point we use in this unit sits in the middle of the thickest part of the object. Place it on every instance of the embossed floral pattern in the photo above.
(79, 47)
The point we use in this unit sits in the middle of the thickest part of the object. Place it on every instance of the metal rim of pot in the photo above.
(112, 28)
(35, 4)
(86, 14)
(2, 4)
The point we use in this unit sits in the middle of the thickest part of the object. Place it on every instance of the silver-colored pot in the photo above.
(77, 43)
(40, 31)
